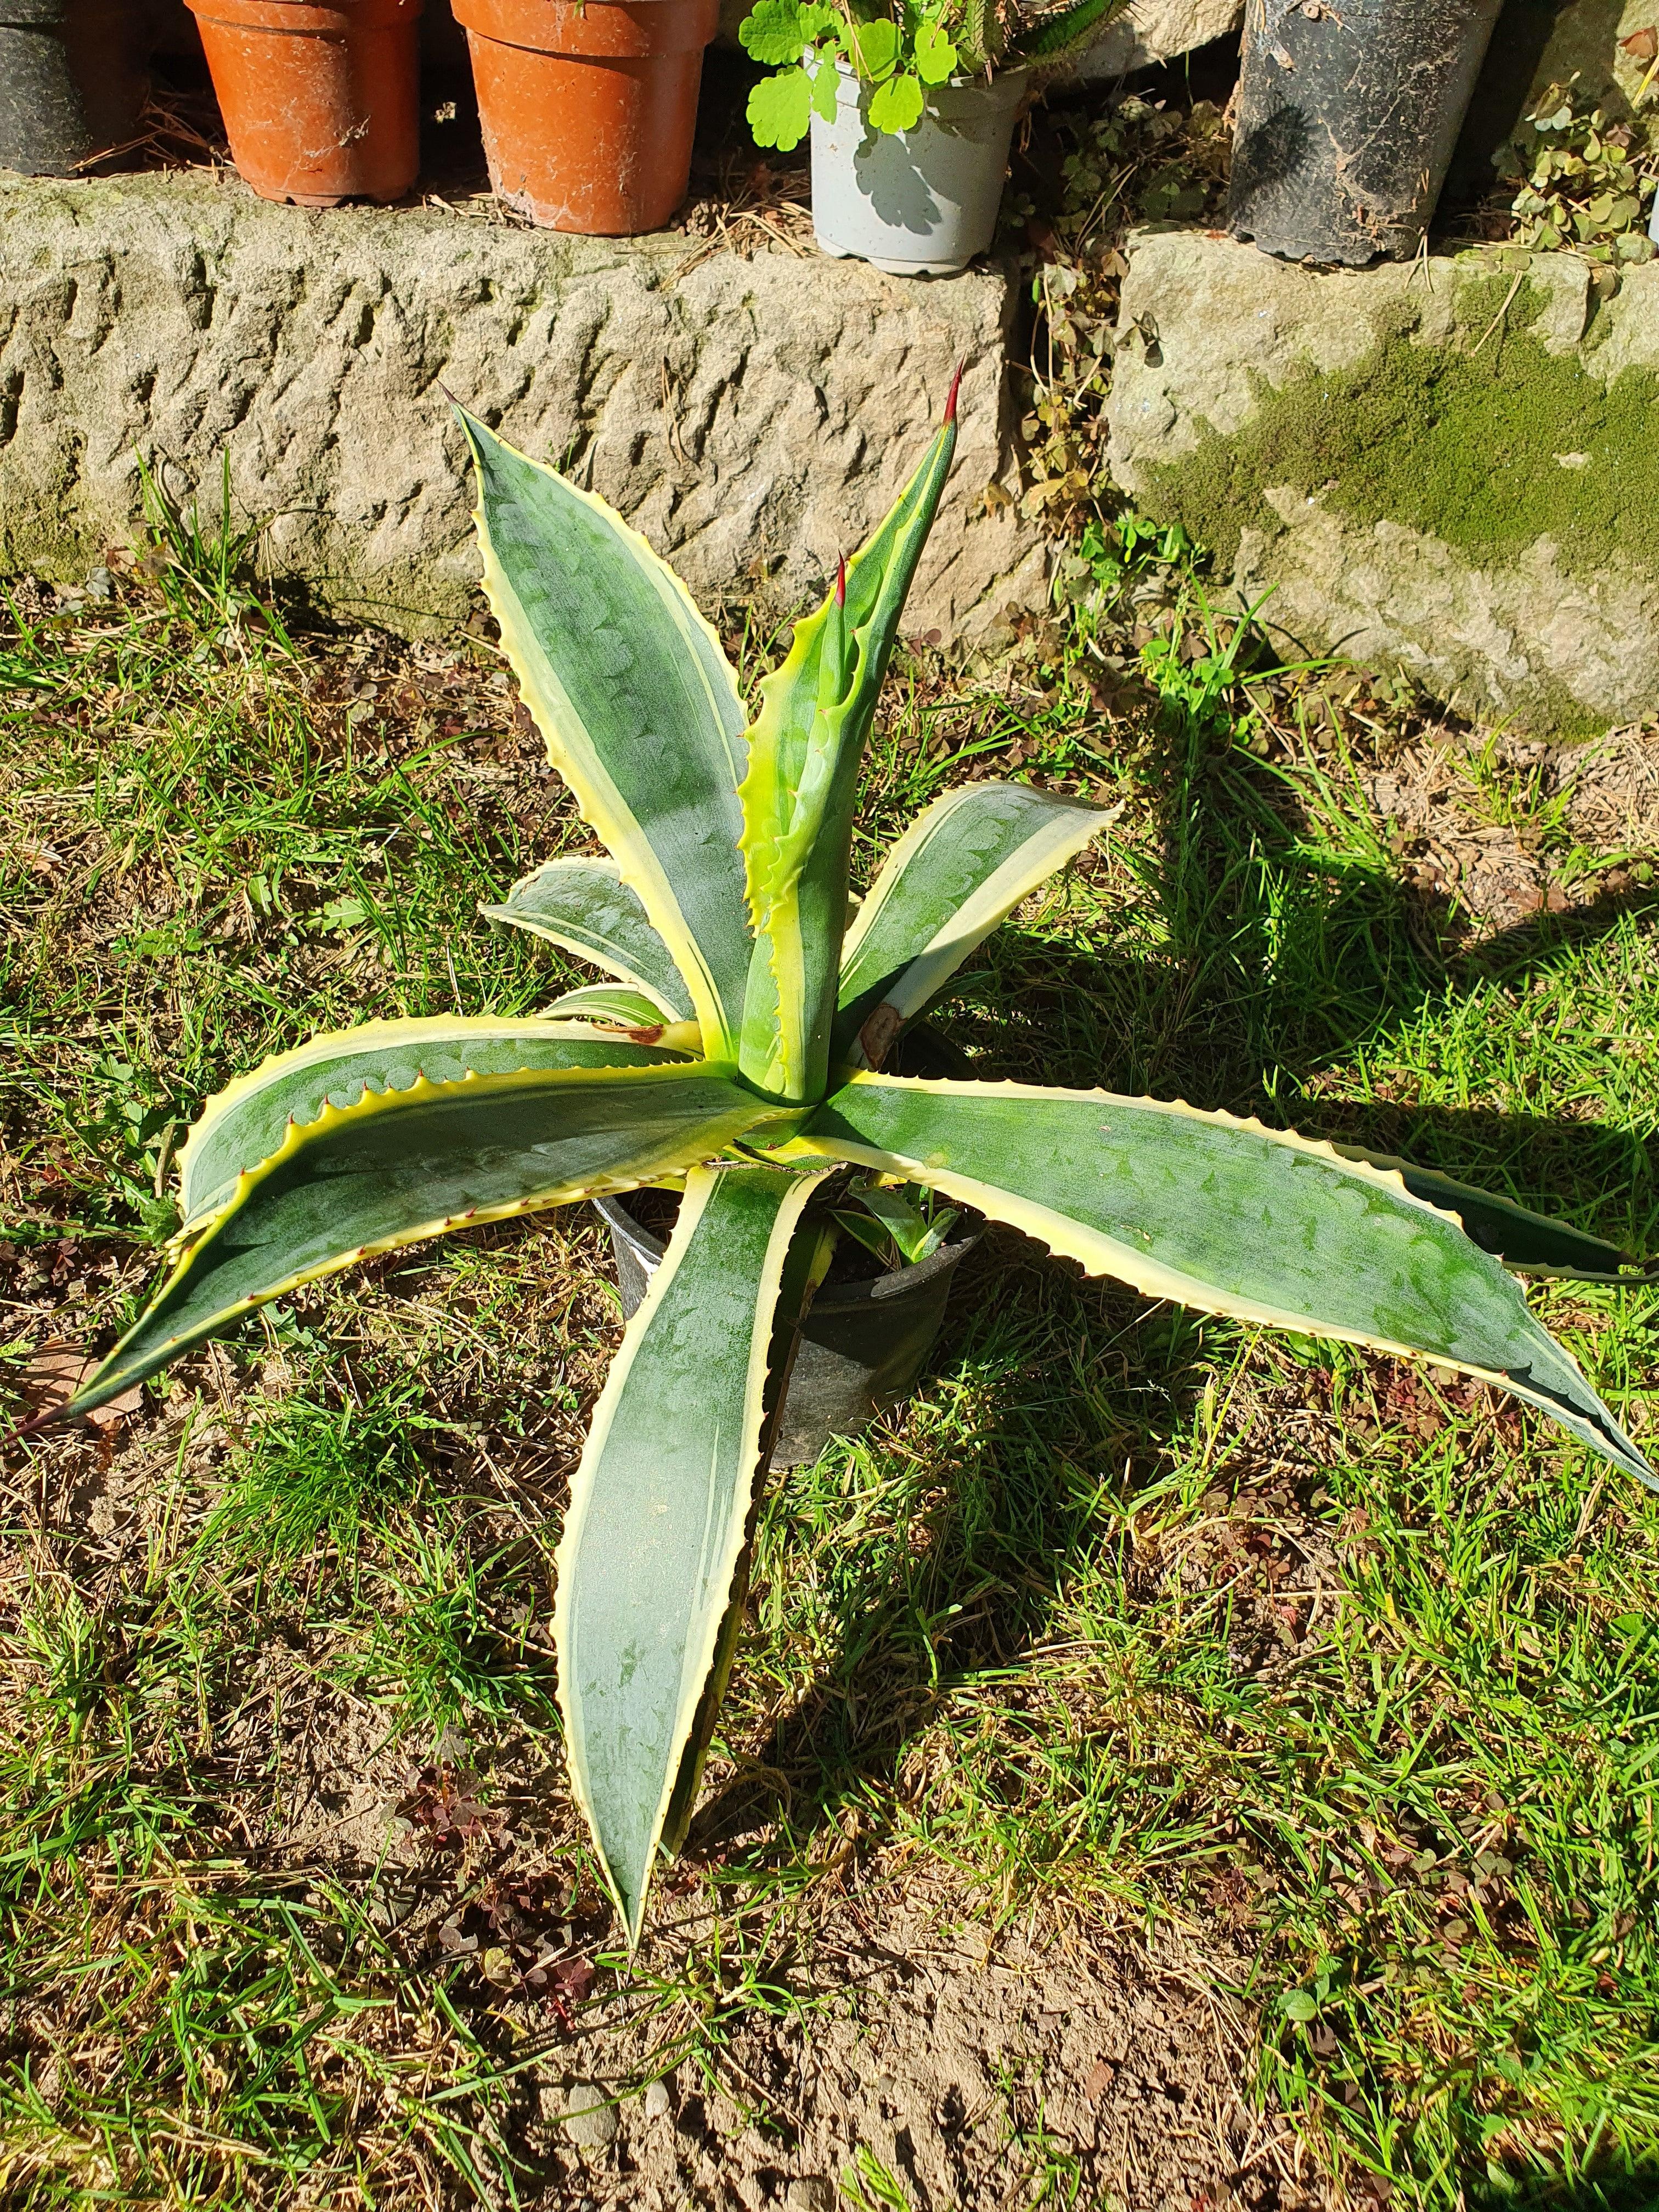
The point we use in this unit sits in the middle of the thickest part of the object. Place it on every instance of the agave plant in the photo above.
(739, 1049)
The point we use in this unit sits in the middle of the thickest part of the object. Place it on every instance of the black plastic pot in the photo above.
(862, 1345)
(71, 82)
(109, 49)
(1348, 112)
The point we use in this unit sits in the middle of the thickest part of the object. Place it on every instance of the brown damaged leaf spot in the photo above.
(876, 1037)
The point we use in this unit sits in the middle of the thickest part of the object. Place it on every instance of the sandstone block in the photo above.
(1438, 465)
(1156, 31)
(754, 416)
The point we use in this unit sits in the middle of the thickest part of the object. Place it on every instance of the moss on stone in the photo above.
(1460, 441)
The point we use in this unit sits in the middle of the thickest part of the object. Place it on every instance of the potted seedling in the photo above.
(320, 98)
(1347, 121)
(589, 106)
(739, 1053)
(911, 111)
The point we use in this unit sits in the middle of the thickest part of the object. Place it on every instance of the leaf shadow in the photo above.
(1258, 959)
(938, 1541)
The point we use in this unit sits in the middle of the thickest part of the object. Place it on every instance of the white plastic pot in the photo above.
(918, 203)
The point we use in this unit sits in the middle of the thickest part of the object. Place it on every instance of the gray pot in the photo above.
(918, 203)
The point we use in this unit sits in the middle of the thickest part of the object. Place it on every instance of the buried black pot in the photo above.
(862, 1345)
(71, 82)
(1347, 116)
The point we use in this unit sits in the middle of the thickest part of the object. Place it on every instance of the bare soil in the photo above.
(966, 2061)
(1497, 876)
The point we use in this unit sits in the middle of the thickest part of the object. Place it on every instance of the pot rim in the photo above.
(592, 30)
(893, 1285)
(313, 15)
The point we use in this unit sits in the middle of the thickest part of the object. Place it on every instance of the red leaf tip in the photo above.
(951, 399)
(840, 581)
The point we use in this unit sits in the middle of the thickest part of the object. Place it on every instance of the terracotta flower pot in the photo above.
(588, 111)
(320, 98)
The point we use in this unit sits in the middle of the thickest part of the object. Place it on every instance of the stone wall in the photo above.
(754, 415)
(1447, 465)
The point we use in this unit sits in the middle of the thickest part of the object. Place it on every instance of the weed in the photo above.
(868, 2186)
(1579, 181)
(310, 1470)
(439, 1652)
(205, 575)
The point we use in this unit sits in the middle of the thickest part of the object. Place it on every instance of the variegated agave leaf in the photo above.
(659, 1510)
(1530, 1244)
(1222, 1215)
(957, 872)
(584, 907)
(247, 1123)
(398, 1166)
(639, 707)
(804, 754)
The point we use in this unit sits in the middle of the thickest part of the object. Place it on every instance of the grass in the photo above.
(1343, 1674)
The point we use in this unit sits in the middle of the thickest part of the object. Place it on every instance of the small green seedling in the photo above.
(895, 1221)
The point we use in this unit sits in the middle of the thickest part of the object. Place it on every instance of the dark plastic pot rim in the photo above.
(833, 1298)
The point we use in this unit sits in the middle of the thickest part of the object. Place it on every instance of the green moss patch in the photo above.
(1461, 442)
